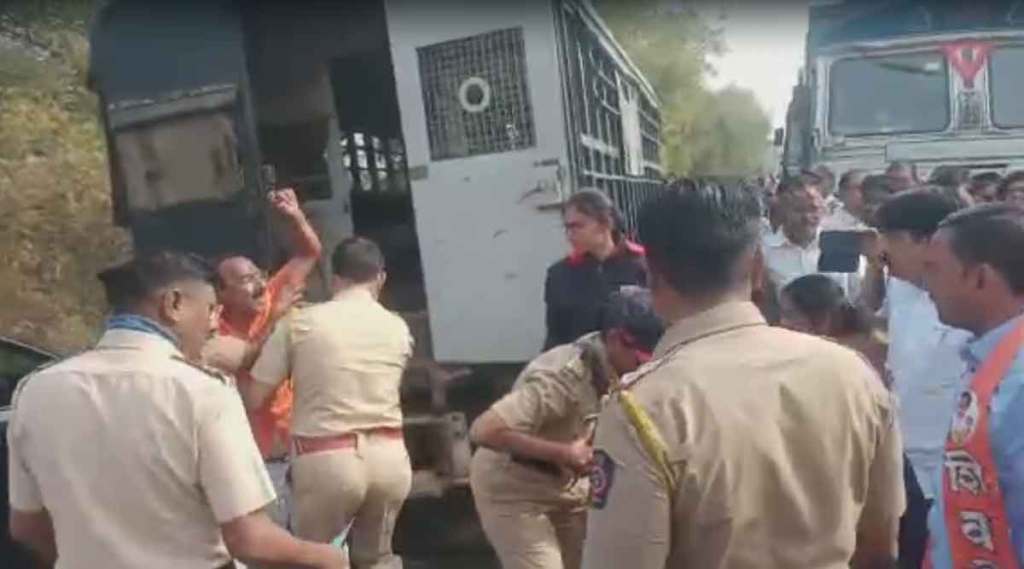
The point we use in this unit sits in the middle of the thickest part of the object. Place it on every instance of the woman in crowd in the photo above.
(815, 304)
(602, 261)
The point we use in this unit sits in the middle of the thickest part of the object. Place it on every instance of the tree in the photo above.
(704, 133)
(57, 231)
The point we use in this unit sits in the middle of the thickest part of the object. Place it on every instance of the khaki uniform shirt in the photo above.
(552, 399)
(782, 444)
(346, 358)
(137, 456)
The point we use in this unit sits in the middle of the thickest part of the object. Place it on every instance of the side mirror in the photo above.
(779, 137)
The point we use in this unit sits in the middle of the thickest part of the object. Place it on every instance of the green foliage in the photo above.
(53, 179)
(704, 132)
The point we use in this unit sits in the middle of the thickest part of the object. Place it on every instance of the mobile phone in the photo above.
(841, 251)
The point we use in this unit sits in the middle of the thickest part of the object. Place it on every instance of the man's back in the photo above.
(124, 446)
(781, 444)
(346, 358)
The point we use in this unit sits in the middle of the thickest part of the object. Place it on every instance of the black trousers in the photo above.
(914, 523)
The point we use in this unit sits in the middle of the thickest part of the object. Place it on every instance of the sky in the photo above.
(765, 48)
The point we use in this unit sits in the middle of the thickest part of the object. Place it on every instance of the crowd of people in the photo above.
(725, 392)
(730, 442)
(888, 312)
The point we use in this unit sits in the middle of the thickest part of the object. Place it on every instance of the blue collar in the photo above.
(137, 323)
(978, 349)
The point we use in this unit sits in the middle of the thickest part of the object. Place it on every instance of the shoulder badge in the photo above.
(576, 366)
(206, 370)
(602, 475)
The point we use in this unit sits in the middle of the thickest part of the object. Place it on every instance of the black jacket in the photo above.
(579, 285)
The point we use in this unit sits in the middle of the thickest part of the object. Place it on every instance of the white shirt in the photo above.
(842, 220)
(786, 262)
(137, 455)
(927, 371)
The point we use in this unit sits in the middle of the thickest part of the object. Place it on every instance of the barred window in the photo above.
(476, 95)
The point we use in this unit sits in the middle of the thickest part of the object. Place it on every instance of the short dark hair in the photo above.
(918, 212)
(986, 178)
(950, 176)
(880, 183)
(846, 181)
(1015, 178)
(990, 234)
(695, 233)
(793, 184)
(129, 283)
(357, 259)
(631, 309)
(900, 165)
(822, 177)
(597, 205)
(818, 296)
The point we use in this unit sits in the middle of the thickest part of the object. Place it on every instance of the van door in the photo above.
(480, 98)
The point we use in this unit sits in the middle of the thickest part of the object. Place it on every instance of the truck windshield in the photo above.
(1006, 80)
(892, 94)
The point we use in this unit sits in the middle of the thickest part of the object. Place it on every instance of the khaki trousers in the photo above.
(363, 486)
(531, 538)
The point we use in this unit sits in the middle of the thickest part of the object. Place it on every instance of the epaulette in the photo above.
(576, 366)
(206, 370)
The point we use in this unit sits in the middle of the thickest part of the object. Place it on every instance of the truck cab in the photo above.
(930, 83)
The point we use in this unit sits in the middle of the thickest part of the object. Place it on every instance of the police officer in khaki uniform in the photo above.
(739, 445)
(129, 456)
(526, 479)
(346, 358)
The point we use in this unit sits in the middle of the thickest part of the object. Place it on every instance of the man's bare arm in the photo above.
(490, 431)
(877, 549)
(272, 367)
(306, 247)
(255, 539)
(255, 394)
(872, 292)
(34, 530)
(289, 295)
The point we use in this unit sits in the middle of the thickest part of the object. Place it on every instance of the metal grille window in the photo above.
(650, 126)
(598, 89)
(376, 164)
(476, 96)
